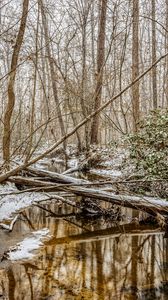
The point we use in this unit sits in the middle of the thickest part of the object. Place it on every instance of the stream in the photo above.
(102, 261)
(70, 257)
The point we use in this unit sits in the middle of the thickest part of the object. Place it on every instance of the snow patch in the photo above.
(24, 249)
(73, 163)
(103, 172)
(12, 203)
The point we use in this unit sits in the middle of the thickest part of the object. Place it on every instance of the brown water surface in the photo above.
(104, 261)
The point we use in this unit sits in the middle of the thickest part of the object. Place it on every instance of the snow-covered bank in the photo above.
(11, 202)
(25, 249)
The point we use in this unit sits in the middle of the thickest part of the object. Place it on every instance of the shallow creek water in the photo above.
(102, 261)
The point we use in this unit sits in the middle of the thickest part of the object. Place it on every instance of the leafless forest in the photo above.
(83, 149)
(62, 60)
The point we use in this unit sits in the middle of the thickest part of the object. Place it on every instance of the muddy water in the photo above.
(86, 260)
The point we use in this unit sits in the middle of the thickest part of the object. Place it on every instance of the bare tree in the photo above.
(100, 65)
(166, 46)
(84, 75)
(154, 78)
(32, 117)
(52, 68)
(11, 84)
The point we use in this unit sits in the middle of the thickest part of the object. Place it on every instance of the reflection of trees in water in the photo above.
(100, 273)
(134, 262)
(121, 266)
(48, 265)
(12, 283)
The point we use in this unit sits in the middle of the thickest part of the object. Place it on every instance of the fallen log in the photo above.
(31, 182)
(60, 178)
(147, 204)
(150, 205)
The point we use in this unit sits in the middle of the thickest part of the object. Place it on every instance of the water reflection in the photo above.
(105, 262)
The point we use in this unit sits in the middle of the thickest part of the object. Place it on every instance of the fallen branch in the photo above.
(71, 170)
(10, 226)
(57, 197)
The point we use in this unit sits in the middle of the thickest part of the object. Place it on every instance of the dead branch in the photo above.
(10, 226)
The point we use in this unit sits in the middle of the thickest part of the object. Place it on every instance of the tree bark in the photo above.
(11, 84)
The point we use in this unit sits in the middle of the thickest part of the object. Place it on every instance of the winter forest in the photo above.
(83, 149)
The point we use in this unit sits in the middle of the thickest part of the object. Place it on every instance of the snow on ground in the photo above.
(107, 173)
(10, 202)
(111, 164)
(73, 163)
(24, 249)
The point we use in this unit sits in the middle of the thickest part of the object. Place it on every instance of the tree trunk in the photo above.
(100, 65)
(11, 84)
(154, 79)
(33, 113)
(135, 65)
(84, 104)
(52, 70)
(166, 46)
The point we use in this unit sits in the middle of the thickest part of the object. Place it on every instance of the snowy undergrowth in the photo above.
(149, 146)
(114, 164)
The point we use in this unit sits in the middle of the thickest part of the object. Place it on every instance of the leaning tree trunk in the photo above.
(11, 84)
(100, 65)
